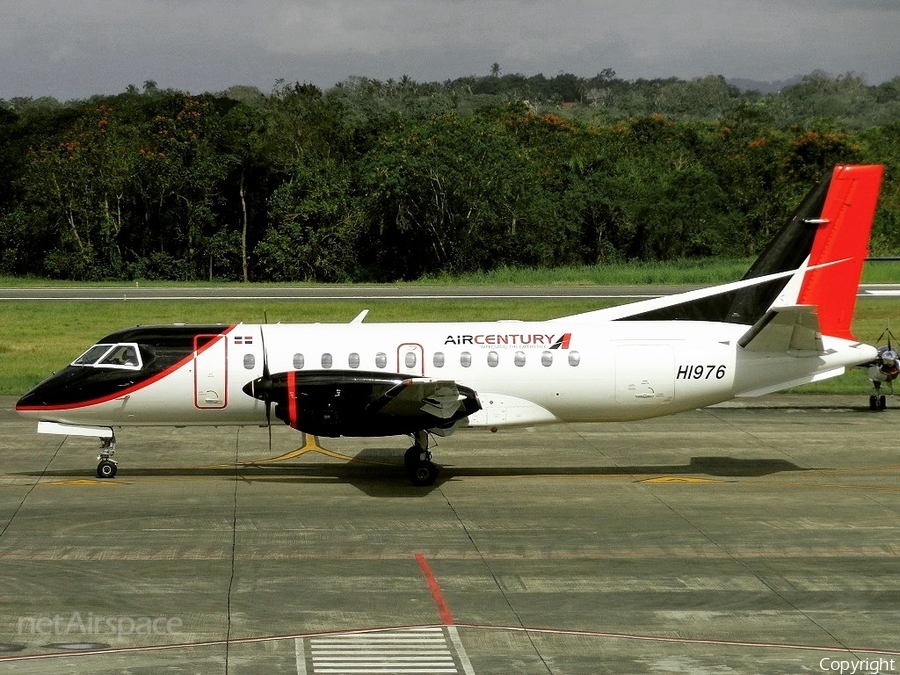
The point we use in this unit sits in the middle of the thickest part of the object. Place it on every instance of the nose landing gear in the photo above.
(107, 467)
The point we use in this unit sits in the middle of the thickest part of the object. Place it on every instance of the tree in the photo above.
(458, 194)
(381, 180)
(242, 151)
(315, 226)
(181, 178)
(81, 176)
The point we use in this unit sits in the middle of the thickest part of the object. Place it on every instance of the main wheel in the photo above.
(411, 457)
(882, 403)
(423, 474)
(106, 469)
(873, 402)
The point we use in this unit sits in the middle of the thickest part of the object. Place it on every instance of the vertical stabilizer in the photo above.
(840, 247)
(815, 260)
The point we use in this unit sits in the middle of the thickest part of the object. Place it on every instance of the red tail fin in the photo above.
(843, 238)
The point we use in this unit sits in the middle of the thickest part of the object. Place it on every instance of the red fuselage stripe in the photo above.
(292, 398)
(125, 392)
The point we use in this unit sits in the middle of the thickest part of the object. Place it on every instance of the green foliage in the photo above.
(398, 180)
(315, 228)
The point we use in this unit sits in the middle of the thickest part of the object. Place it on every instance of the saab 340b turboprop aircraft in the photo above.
(786, 323)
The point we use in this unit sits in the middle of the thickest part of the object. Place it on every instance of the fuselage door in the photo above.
(409, 359)
(645, 374)
(210, 371)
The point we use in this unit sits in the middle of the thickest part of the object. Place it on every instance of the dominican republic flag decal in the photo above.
(562, 343)
(243, 339)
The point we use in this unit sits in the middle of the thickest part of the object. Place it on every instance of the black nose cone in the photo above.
(260, 388)
(37, 397)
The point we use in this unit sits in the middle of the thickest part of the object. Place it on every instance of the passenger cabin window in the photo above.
(574, 358)
(410, 359)
(327, 360)
(299, 361)
(519, 359)
(353, 360)
(126, 356)
(493, 359)
(465, 359)
(439, 359)
(547, 359)
(249, 361)
(381, 360)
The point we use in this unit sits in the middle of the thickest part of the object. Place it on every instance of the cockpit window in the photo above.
(125, 355)
(92, 355)
(121, 355)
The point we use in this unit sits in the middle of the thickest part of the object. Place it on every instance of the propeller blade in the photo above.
(267, 379)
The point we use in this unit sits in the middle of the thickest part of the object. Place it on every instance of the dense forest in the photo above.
(381, 181)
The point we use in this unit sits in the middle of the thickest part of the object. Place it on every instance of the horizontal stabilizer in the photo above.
(785, 329)
(796, 382)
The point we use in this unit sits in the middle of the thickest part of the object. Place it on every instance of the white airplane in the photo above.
(786, 323)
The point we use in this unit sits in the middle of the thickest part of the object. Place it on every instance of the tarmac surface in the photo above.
(756, 537)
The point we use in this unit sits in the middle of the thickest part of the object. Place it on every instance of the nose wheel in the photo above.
(107, 467)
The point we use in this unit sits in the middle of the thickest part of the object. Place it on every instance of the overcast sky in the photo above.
(77, 48)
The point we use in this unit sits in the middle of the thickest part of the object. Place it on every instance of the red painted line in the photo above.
(443, 609)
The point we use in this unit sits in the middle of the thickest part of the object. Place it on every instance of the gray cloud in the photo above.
(83, 47)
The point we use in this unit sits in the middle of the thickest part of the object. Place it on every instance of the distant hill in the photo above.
(764, 87)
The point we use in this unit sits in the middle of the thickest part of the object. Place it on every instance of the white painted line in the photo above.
(408, 652)
(300, 656)
(453, 634)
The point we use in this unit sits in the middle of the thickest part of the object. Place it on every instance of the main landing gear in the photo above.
(107, 467)
(877, 402)
(419, 467)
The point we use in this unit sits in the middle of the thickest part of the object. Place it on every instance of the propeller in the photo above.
(267, 383)
(261, 387)
(882, 350)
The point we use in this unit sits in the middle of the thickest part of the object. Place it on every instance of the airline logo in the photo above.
(512, 339)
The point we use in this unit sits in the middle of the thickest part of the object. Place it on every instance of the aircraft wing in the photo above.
(440, 398)
(353, 403)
